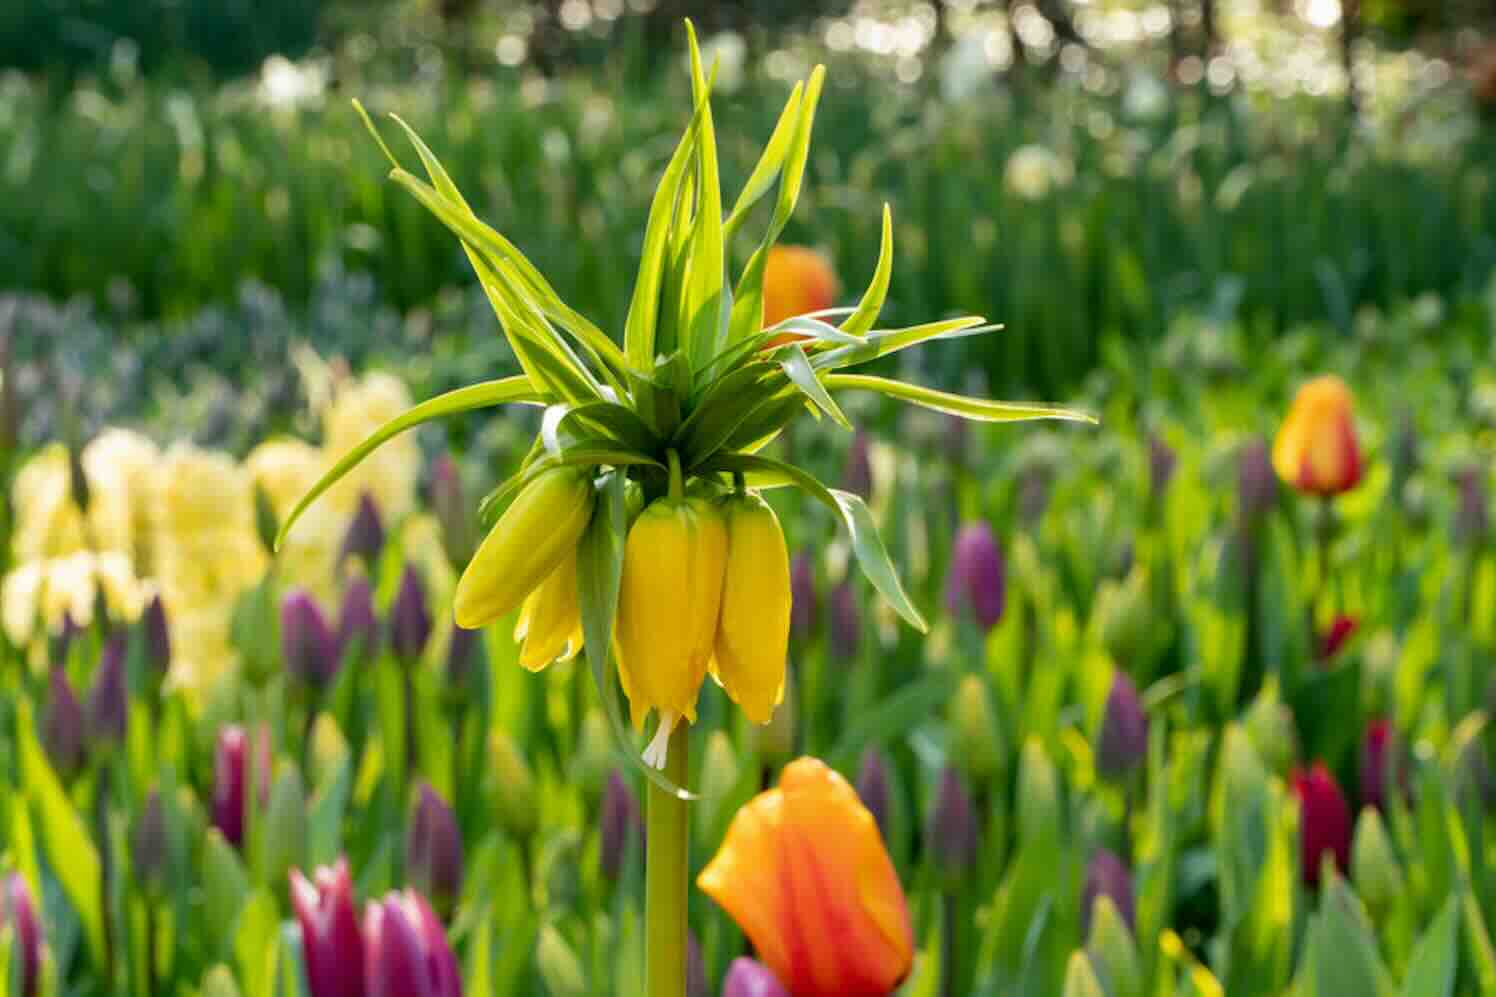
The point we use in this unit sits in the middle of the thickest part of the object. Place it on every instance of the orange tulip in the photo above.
(1316, 450)
(804, 872)
(797, 280)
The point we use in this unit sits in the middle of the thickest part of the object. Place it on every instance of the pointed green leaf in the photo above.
(883, 342)
(1080, 977)
(821, 332)
(1478, 944)
(1431, 971)
(979, 409)
(860, 321)
(767, 170)
(703, 335)
(475, 396)
(612, 420)
(797, 368)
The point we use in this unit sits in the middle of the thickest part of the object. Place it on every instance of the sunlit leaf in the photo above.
(860, 321)
(797, 368)
(979, 409)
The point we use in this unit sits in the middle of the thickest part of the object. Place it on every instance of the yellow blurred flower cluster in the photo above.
(182, 522)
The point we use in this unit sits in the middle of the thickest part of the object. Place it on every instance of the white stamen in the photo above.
(659, 748)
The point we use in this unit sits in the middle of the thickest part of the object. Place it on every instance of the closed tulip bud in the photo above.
(1270, 727)
(1161, 463)
(1107, 876)
(307, 644)
(405, 952)
(621, 825)
(802, 596)
(846, 622)
(798, 280)
(1125, 610)
(1342, 628)
(149, 844)
(1316, 450)
(1382, 766)
(364, 538)
(749, 978)
(774, 742)
(1374, 866)
(1470, 524)
(232, 776)
(109, 700)
(253, 628)
(668, 607)
(696, 985)
(1256, 485)
(550, 622)
(358, 626)
(332, 944)
(157, 636)
(979, 747)
(804, 873)
(540, 528)
(62, 729)
(952, 831)
(873, 788)
(1123, 742)
(62, 641)
(410, 618)
(1324, 821)
(512, 784)
(976, 583)
(18, 911)
(857, 475)
(434, 850)
(754, 629)
(463, 648)
(285, 823)
(449, 502)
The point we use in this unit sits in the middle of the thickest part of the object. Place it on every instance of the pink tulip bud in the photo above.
(406, 953)
(331, 943)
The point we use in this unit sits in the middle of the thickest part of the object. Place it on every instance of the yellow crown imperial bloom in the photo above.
(668, 604)
(531, 539)
(754, 630)
(550, 624)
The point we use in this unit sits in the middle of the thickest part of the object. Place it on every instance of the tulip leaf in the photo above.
(1080, 977)
(1431, 970)
(1355, 966)
(64, 836)
(901, 711)
(487, 394)
(979, 409)
(860, 321)
(796, 366)
(599, 577)
(766, 171)
(872, 556)
(1478, 943)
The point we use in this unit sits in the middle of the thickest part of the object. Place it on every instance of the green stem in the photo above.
(666, 873)
(677, 480)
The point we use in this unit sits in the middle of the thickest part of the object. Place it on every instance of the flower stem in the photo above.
(666, 872)
(677, 480)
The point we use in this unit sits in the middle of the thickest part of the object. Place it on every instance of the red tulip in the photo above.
(1381, 764)
(1342, 628)
(1316, 450)
(1324, 821)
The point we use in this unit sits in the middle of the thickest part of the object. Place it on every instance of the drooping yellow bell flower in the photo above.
(668, 605)
(531, 539)
(754, 630)
(550, 624)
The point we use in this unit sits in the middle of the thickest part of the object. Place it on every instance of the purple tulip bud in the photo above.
(331, 943)
(1033, 492)
(857, 475)
(365, 536)
(1256, 481)
(846, 622)
(231, 777)
(406, 953)
(307, 645)
(872, 786)
(434, 849)
(462, 653)
(748, 978)
(18, 909)
(157, 636)
(449, 502)
(109, 701)
(1161, 463)
(62, 728)
(358, 627)
(1124, 730)
(696, 985)
(1106, 875)
(1470, 522)
(1383, 768)
(410, 619)
(976, 579)
(148, 842)
(621, 824)
(802, 596)
(952, 831)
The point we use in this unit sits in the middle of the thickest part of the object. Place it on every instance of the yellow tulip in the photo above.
(668, 605)
(1316, 450)
(754, 630)
(534, 535)
(550, 624)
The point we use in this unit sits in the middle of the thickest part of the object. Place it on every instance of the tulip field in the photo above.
(521, 542)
